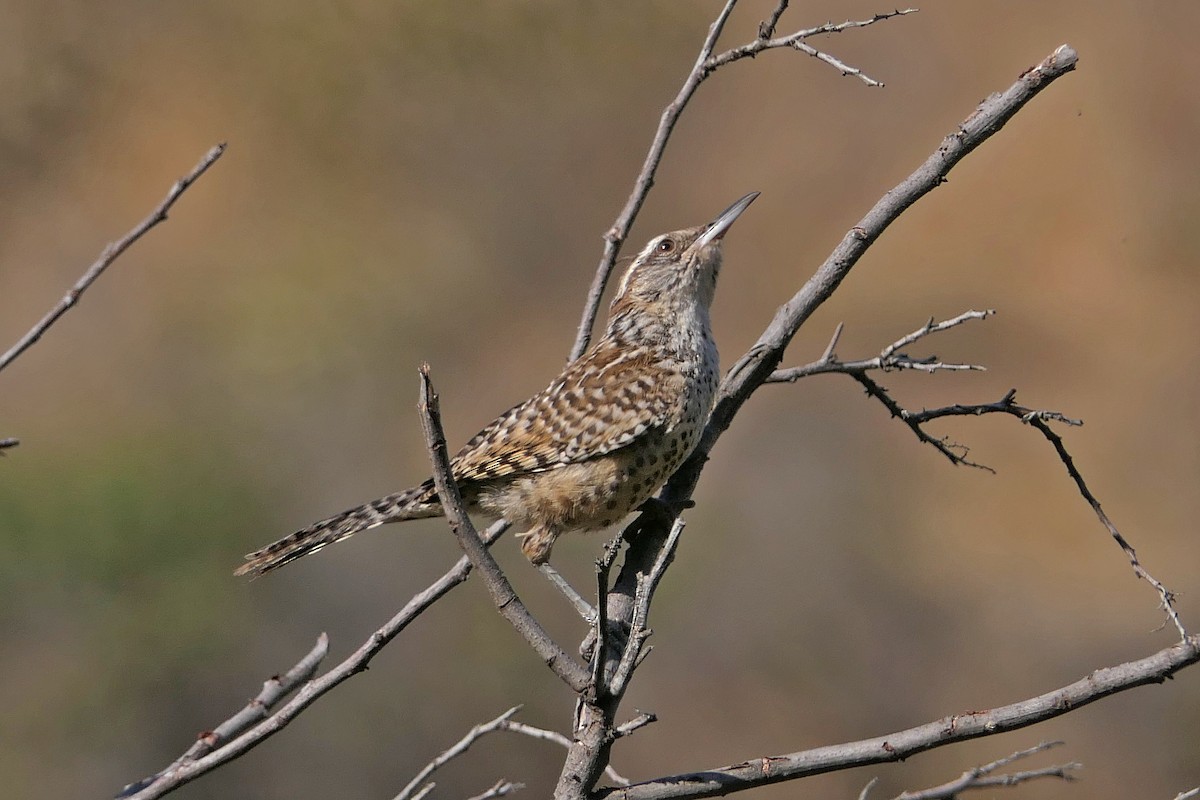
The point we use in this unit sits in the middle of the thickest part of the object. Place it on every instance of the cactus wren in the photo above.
(598, 441)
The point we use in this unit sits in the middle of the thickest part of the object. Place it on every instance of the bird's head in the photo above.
(680, 265)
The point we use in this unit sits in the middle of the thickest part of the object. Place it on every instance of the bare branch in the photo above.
(570, 671)
(357, 662)
(8, 442)
(888, 359)
(1039, 419)
(981, 777)
(956, 453)
(274, 689)
(1188, 795)
(796, 41)
(906, 743)
(110, 254)
(1165, 595)
(705, 65)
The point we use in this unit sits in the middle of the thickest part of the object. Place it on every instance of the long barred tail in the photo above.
(415, 503)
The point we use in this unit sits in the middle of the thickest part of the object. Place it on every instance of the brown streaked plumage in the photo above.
(600, 439)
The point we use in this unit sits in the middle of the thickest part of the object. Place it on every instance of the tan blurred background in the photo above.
(410, 181)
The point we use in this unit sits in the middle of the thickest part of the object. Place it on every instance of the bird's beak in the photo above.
(716, 229)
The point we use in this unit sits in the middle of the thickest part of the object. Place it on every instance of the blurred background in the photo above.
(430, 181)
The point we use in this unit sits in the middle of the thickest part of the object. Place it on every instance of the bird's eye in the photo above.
(665, 246)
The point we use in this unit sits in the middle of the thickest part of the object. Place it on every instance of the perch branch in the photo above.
(110, 254)
(903, 744)
(570, 671)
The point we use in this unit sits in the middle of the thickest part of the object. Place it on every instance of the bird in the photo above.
(597, 442)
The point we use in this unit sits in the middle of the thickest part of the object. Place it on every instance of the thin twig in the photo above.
(110, 254)
(8, 442)
(581, 606)
(982, 777)
(357, 662)
(904, 744)
(502, 788)
(457, 749)
(570, 671)
(1165, 595)
(796, 41)
(274, 689)
(504, 723)
(643, 719)
(889, 358)
(1188, 795)
(559, 739)
(639, 632)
